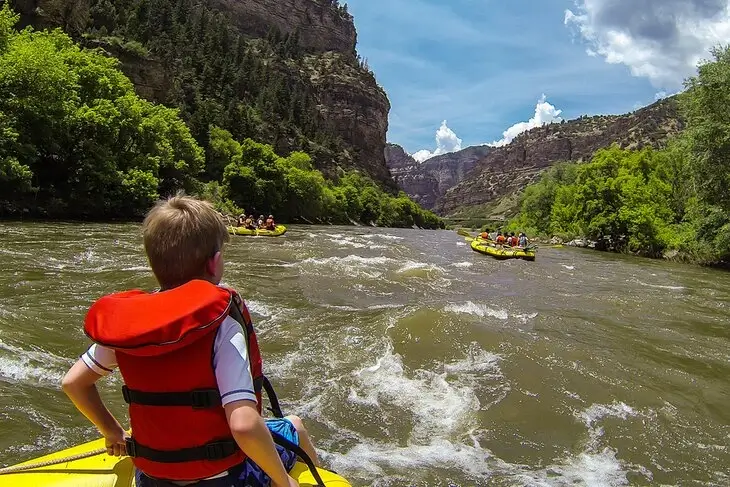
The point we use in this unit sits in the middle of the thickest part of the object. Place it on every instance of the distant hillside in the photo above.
(425, 182)
(488, 187)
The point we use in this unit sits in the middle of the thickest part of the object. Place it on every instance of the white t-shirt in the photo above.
(230, 362)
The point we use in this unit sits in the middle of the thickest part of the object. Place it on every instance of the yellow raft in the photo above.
(88, 465)
(502, 252)
(278, 230)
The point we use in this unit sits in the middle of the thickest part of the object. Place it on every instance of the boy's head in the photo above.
(183, 239)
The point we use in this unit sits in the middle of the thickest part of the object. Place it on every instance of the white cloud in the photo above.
(446, 141)
(662, 40)
(545, 113)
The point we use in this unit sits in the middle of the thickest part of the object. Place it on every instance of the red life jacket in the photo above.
(163, 343)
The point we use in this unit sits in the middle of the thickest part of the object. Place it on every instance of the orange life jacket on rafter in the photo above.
(164, 347)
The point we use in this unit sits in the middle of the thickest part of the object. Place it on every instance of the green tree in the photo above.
(73, 126)
(705, 104)
(222, 151)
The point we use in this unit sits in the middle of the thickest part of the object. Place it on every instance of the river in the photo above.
(412, 359)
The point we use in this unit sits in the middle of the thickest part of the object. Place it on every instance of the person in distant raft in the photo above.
(500, 238)
(250, 223)
(191, 366)
(270, 224)
(522, 241)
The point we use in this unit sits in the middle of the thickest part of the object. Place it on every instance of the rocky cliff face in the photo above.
(321, 27)
(507, 170)
(425, 182)
(353, 108)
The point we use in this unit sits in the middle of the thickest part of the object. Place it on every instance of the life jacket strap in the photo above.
(273, 399)
(197, 398)
(216, 450)
(258, 383)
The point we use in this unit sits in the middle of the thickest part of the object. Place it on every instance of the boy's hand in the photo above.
(115, 443)
(79, 384)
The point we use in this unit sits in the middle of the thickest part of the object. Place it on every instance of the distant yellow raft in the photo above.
(94, 468)
(278, 230)
(502, 252)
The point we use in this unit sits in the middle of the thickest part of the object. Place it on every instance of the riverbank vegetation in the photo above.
(673, 201)
(77, 142)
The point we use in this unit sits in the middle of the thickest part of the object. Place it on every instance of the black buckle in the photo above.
(131, 447)
(215, 451)
(126, 395)
(202, 398)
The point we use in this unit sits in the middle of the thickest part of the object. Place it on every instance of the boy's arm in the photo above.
(79, 384)
(233, 375)
(254, 438)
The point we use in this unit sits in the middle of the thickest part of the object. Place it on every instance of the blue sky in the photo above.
(483, 65)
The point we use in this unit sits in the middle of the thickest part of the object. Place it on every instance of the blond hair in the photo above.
(180, 235)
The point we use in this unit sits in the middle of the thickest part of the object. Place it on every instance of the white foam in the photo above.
(354, 265)
(600, 469)
(597, 412)
(5, 312)
(480, 310)
(136, 268)
(569, 267)
(595, 465)
(370, 457)
(659, 286)
(413, 266)
(357, 243)
(462, 265)
(460, 244)
(348, 260)
(386, 237)
(477, 360)
(22, 369)
(439, 407)
(524, 318)
(259, 307)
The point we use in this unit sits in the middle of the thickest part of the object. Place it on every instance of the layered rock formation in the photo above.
(425, 182)
(504, 171)
(354, 108)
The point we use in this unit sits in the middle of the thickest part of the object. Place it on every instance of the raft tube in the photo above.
(502, 252)
(279, 230)
(88, 465)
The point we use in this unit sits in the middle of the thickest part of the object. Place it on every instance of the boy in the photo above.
(188, 357)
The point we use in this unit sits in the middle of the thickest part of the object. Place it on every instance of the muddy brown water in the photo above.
(414, 360)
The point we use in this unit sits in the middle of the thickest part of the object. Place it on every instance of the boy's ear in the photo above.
(211, 265)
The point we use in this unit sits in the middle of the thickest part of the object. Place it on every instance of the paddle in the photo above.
(469, 237)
